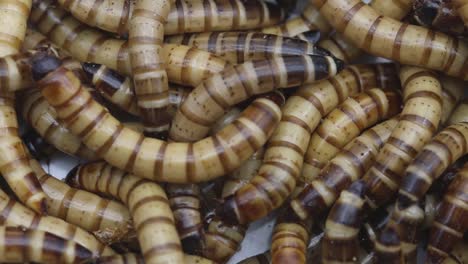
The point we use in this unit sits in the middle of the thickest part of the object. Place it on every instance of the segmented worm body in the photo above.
(43, 118)
(14, 19)
(396, 9)
(238, 47)
(37, 146)
(385, 37)
(147, 202)
(193, 16)
(419, 121)
(217, 94)
(284, 156)
(439, 15)
(340, 47)
(388, 247)
(345, 123)
(346, 167)
(13, 213)
(118, 89)
(15, 72)
(185, 65)
(340, 243)
(450, 222)
(460, 114)
(452, 93)
(221, 240)
(131, 151)
(18, 245)
(462, 9)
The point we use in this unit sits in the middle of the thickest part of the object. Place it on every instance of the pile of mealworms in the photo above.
(195, 118)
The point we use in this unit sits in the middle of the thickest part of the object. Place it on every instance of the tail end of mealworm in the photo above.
(43, 63)
(228, 211)
(340, 65)
(312, 36)
(70, 179)
(90, 69)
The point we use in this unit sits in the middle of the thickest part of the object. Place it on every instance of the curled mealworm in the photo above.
(340, 243)
(238, 47)
(348, 166)
(284, 156)
(193, 16)
(450, 222)
(344, 123)
(419, 121)
(221, 240)
(385, 37)
(439, 15)
(131, 151)
(214, 96)
(396, 9)
(18, 245)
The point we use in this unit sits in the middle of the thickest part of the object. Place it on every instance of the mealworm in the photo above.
(37, 146)
(459, 114)
(118, 89)
(345, 123)
(397, 9)
(185, 204)
(347, 166)
(388, 247)
(147, 202)
(13, 20)
(15, 72)
(340, 48)
(13, 213)
(450, 223)
(18, 245)
(239, 47)
(132, 258)
(284, 156)
(439, 15)
(185, 65)
(452, 92)
(340, 243)
(462, 9)
(226, 119)
(221, 240)
(131, 151)
(109, 220)
(43, 118)
(193, 16)
(419, 121)
(208, 101)
(385, 37)
(309, 20)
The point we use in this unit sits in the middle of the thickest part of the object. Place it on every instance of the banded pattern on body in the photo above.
(452, 93)
(462, 9)
(173, 162)
(147, 202)
(385, 37)
(43, 118)
(109, 220)
(460, 114)
(439, 15)
(13, 20)
(207, 102)
(186, 65)
(186, 207)
(284, 156)
(341, 243)
(146, 35)
(194, 16)
(15, 72)
(347, 166)
(419, 121)
(387, 247)
(18, 245)
(13, 213)
(238, 47)
(345, 123)
(14, 165)
(450, 222)
(340, 48)
(222, 240)
(118, 89)
(396, 9)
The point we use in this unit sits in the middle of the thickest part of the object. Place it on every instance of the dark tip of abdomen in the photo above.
(71, 179)
(90, 69)
(42, 64)
(228, 211)
(340, 65)
(322, 51)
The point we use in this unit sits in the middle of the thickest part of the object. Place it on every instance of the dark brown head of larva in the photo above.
(42, 63)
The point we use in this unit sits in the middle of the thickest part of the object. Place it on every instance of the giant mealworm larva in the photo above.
(349, 165)
(118, 89)
(193, 16)
(43, 118)
(340, 243)
(419, 121)
(284, 156)
(13, 20)
(387, 247)
(439, 15)
(131, 151)
(238, 47)
(385, 37)
(15, 73)
(340, 48)
(462, 9)
(146, 35)
(186, 207)
(109, 220)
(450, 223)
(186, 65)
(345, 123)
(18, 245)
(221, 240)
(396, 9)
(207, 102)
(452, 93)
(147, 202)
(13, 213)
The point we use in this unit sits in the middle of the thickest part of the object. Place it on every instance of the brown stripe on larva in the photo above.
(208, 15)
(4, 69)
(281, 166)
(355, 161)
(212, 41)
(92, 124)
(16, 241)
(286, 144)
(124, 18)
(93, 11)
(386, 171)
(355, 118)
(72, 35)
(106, 146)
(157, 220)
(158, 168)
(242, 129)
(402, 145)
(424, 73)
(460, 136)
(453, 54)
(212, 92)
(65, 205)
(357, 76)
(179, 6)
(5, 213)
(310, 97)
(122, 57)
(37, 219)
(95, 47)
(130, 190)
(149, 199)
(249, 91)
(428, 47)
(190, 164)
(427, 161)
(296, 70)
(349, 16)
(422, 121)
(425, 94)
(371, 32)
(398, 42)
(268, 182)
(100, 210)
(322, 133)
(235, 8)
(136, 149)
(441, 145)
(71, 117)
(221, 153)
